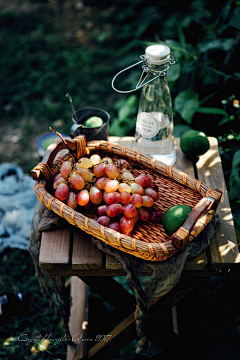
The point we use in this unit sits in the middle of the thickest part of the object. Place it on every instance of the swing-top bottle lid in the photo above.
(157, 54)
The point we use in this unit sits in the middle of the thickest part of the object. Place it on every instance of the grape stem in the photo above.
(64, 141)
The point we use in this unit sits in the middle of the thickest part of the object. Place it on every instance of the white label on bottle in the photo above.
(148, 125)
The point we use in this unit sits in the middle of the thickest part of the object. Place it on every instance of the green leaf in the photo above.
(210, 110)
(234, 192)
(222, 44)
(180, 129)
(185, 103)
(236, 159)
(174, 72)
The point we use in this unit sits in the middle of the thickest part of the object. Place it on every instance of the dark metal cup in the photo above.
(96, 133)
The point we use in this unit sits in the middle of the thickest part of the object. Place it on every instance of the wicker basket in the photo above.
(148, 241)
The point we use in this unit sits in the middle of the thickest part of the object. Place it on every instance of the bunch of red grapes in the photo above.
(110, 190)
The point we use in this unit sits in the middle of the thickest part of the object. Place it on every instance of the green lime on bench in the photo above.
(194, 143)
(93, 122)
(175, 217)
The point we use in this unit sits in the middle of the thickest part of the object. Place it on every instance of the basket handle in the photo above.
(77, 145)
(181, 238)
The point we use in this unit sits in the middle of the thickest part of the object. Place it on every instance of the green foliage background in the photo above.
(49, 48)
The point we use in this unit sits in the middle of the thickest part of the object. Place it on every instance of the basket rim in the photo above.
(148, 251)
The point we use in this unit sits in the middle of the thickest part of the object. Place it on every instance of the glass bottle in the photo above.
(154, 126)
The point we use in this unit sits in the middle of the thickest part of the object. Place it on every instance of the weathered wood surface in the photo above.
(78, 322)
(55, 249)
(223, 248)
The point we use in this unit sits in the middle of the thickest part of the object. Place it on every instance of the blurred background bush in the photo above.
(51, 47)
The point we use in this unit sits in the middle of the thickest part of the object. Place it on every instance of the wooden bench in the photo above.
(67, 252)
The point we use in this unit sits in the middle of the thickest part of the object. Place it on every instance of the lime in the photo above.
(194, 143)
(93, 122)
(175, 217)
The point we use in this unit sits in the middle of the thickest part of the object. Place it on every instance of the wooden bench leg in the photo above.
(78, 324)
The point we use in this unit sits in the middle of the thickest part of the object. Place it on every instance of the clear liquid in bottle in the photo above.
(154, 137)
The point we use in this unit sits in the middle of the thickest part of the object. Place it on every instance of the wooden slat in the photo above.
(199, 262)
(223, 248)
(55, 249)
(85, 255)
(78, 323)
(125, 332)
(112, 263)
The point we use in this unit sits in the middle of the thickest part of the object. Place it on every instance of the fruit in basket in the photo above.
(115, 226)
(111, 171)
(84, 173)
(61, 192)
(85, 163)
(175, 217)
(71, 200)
(129, 211)
(111, 186)
(104, 220)
(66, 168)
(100, 170)
(77, 181)
(194, 143)
(114, 210)
(83, 198)
(110, 190)
(143, 180)
(126, 224)
(95, 195)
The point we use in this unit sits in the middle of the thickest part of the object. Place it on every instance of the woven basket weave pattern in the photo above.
(149, 240)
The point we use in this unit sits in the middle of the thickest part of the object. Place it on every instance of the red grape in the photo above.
(129, 210)
(124, 187)
(143, 214)
(84, 173)
(59, 181)
(71, 200)
(77, 181)
(137, 200)
(104, 195)
(100, 170)
(143, 180)
(95, 195)
(102, 182)
(147, 201)
(61, 192)
(115, 226)
(156, 216)
(111, 171)
(57, 177)
(114, 210)
(111, 186)
(126, 224)
(125, 198)
(102, 210)
(66, 168)
(103, 220)
(112, 198)
(72, 188)
(135, 218)
(83, 198)
(137, 189)
(152, 193)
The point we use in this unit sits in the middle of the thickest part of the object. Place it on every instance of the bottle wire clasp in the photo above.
(146, 71)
